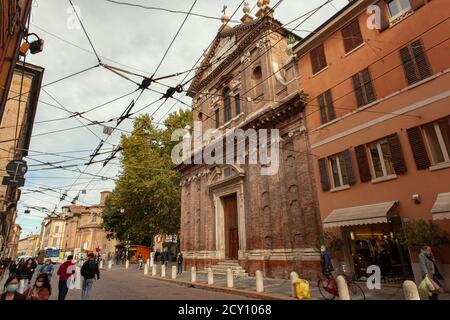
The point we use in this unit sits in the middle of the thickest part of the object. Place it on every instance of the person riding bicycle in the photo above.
(325, 257)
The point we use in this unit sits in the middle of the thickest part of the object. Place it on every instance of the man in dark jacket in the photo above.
(88, 271)
(64, 272)
(327, 266)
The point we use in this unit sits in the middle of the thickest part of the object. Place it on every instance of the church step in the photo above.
(222, 268)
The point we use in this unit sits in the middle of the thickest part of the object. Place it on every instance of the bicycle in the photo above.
(329, 290)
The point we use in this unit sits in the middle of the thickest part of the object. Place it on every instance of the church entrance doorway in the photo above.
(230, 210)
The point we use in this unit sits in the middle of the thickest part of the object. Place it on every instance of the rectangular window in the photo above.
(352, 36)
(54, 243)
(56, 229)
(339, 170)
(381, 156)
(326, 107)
(217, 117)
(362, 85)
(237, 100)
(397, 7)
(227, 112)
(415, 63)
(437, 136)
(318, 59)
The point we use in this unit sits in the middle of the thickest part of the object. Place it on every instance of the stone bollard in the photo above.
(148, 261)
(210, 276)
(259, 281)
(163, 271)
(174, 272)
(294, 278)
(146, 269)
(154, 270)
(193, 274)
(110, 264)
(127, 264)
(101, 264)
(230, 278)
(410, 290)
(342, 288)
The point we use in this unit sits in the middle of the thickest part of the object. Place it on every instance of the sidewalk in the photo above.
(274, 288)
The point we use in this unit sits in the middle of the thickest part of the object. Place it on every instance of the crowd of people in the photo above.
(18, 285)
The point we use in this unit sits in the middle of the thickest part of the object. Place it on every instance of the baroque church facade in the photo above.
(249, 79)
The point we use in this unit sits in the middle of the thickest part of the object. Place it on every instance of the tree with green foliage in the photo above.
(146, 199)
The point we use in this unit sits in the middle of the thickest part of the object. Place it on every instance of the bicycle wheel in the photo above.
(356, 292)
(325, 290)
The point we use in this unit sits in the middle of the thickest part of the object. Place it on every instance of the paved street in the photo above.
(120, 284)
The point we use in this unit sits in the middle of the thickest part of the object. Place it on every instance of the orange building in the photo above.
(12, 20)
(378, 122)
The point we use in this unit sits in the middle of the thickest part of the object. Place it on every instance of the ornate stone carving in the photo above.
(235, 83)
(246, 58)
(263, 44)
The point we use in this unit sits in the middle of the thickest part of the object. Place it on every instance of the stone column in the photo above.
(410, 290)
(163, 271)
(259, 281)
(154, 270)
(110, 264)
(127, 264)
(146, 269)
(101, 264)
(210, 276)
(230, 278)
(342, 288)
(193, 274)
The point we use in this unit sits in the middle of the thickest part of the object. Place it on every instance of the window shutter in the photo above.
(384, 19)
(444, 125)
(397, 155)
(363, 163)
(238, 103)
(330, 106)
(416, 4)
(418, 148)
(368, 86)
(324, 180)
(349, 167)
(408, 65)
(314, 61)
(421, 60)
(347, 36)
(358, 90)
(323, 113)
(321, 56)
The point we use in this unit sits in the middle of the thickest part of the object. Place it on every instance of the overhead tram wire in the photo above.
(85, 32)
(194, 68)
(243, 97)
(164, 9)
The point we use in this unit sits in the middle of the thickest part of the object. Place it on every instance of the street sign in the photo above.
(16, 170)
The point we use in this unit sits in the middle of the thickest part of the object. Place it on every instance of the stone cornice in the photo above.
(256, 28)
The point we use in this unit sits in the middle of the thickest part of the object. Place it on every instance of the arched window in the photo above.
(93, 217)
(226, 105)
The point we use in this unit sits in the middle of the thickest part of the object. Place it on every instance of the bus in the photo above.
(51, 253)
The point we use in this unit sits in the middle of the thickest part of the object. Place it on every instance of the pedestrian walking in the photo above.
(140, 261)
(22, 274)
(12, 269)
(429, 269)
(47, 268)
(325, 257)
(11, 290)
(179, 263)
(88, 271)
(41, 290)
(64, 272)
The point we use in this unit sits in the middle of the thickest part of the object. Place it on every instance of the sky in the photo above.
(130, 38)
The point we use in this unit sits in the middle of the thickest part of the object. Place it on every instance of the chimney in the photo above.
(103, 196)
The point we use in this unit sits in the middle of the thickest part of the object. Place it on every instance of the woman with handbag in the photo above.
(429, 270)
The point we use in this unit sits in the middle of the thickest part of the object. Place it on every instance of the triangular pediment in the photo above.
(229, 45)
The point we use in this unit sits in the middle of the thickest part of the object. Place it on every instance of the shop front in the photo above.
(371, 237)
